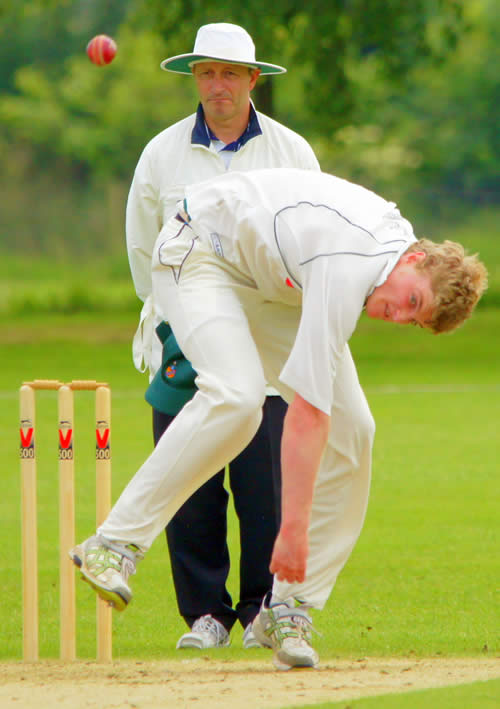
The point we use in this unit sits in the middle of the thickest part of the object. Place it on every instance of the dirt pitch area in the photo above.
(212, 684)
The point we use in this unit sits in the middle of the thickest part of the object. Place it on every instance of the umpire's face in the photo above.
(224, 91)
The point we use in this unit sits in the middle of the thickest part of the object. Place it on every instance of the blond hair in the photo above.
(458, 280)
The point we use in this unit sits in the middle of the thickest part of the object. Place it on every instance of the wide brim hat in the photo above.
(173, 384)
(220, 42)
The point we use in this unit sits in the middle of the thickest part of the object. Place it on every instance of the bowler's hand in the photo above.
(289, 557)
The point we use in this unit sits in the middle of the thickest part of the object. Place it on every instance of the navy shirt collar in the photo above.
(202, 135)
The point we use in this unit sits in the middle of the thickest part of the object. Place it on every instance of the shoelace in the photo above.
(107, 555)
(308, 627)
(206, 624)
(101, 559)
(304, 626)
(294, 623)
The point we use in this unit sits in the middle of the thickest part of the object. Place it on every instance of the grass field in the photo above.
(422, 579)
(478, 695)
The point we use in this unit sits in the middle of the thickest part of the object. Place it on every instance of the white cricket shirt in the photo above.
(307, 239)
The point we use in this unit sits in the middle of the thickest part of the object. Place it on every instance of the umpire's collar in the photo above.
(202, 135)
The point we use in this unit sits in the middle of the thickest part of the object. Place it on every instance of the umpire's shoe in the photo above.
(288, 630)
(205, 632)
(106, 566)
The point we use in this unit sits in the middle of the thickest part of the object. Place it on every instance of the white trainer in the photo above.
(205, 632)
(250, 641)
(106, 566)
(288, 630)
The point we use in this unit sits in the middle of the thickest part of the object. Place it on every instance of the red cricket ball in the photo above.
(101, 49)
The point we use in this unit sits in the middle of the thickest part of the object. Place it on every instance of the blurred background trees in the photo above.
(400, 96)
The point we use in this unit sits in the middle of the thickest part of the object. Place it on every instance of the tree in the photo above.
(44, 33)
(437, 134)
(90, 116)
(463, 115)
(326, 40)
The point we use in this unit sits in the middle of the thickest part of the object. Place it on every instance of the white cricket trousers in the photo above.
(236, 342)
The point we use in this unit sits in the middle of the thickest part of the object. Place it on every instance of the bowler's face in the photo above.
(405, 297)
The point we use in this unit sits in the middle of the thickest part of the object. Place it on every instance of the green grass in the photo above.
(423, 578)
(67, 286)
(478, 232)
(478, 695)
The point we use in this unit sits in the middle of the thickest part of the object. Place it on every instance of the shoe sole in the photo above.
(282, 667)
(112, 598)
(283, 661)
(255, 645)
(189, 644)
(194, 644)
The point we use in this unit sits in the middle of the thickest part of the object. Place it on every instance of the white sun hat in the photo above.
(220, 42)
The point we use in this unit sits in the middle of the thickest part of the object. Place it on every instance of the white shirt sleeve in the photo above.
(331, 306)
(143, 224)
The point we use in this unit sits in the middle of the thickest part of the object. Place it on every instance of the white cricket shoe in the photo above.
(205, 632)
(250, 641)
(106, 566)
(288, 630)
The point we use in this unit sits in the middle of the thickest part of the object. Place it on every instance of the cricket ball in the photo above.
(101, 49)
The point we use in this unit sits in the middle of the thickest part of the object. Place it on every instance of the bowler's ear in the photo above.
(414, 257)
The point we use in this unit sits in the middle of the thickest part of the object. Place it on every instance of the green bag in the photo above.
(173, 384)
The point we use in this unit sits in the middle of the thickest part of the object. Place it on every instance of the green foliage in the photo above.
(464, 114)
(47, 212)
(325, 38)
(66, 286)
(433, 139)
(43, 33)
(90, 117)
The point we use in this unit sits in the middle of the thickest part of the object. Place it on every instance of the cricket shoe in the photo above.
(205, 632)
(106, 566)
(250, 641)
(288, 631)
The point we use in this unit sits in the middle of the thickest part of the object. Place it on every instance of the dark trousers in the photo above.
(197, 534)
